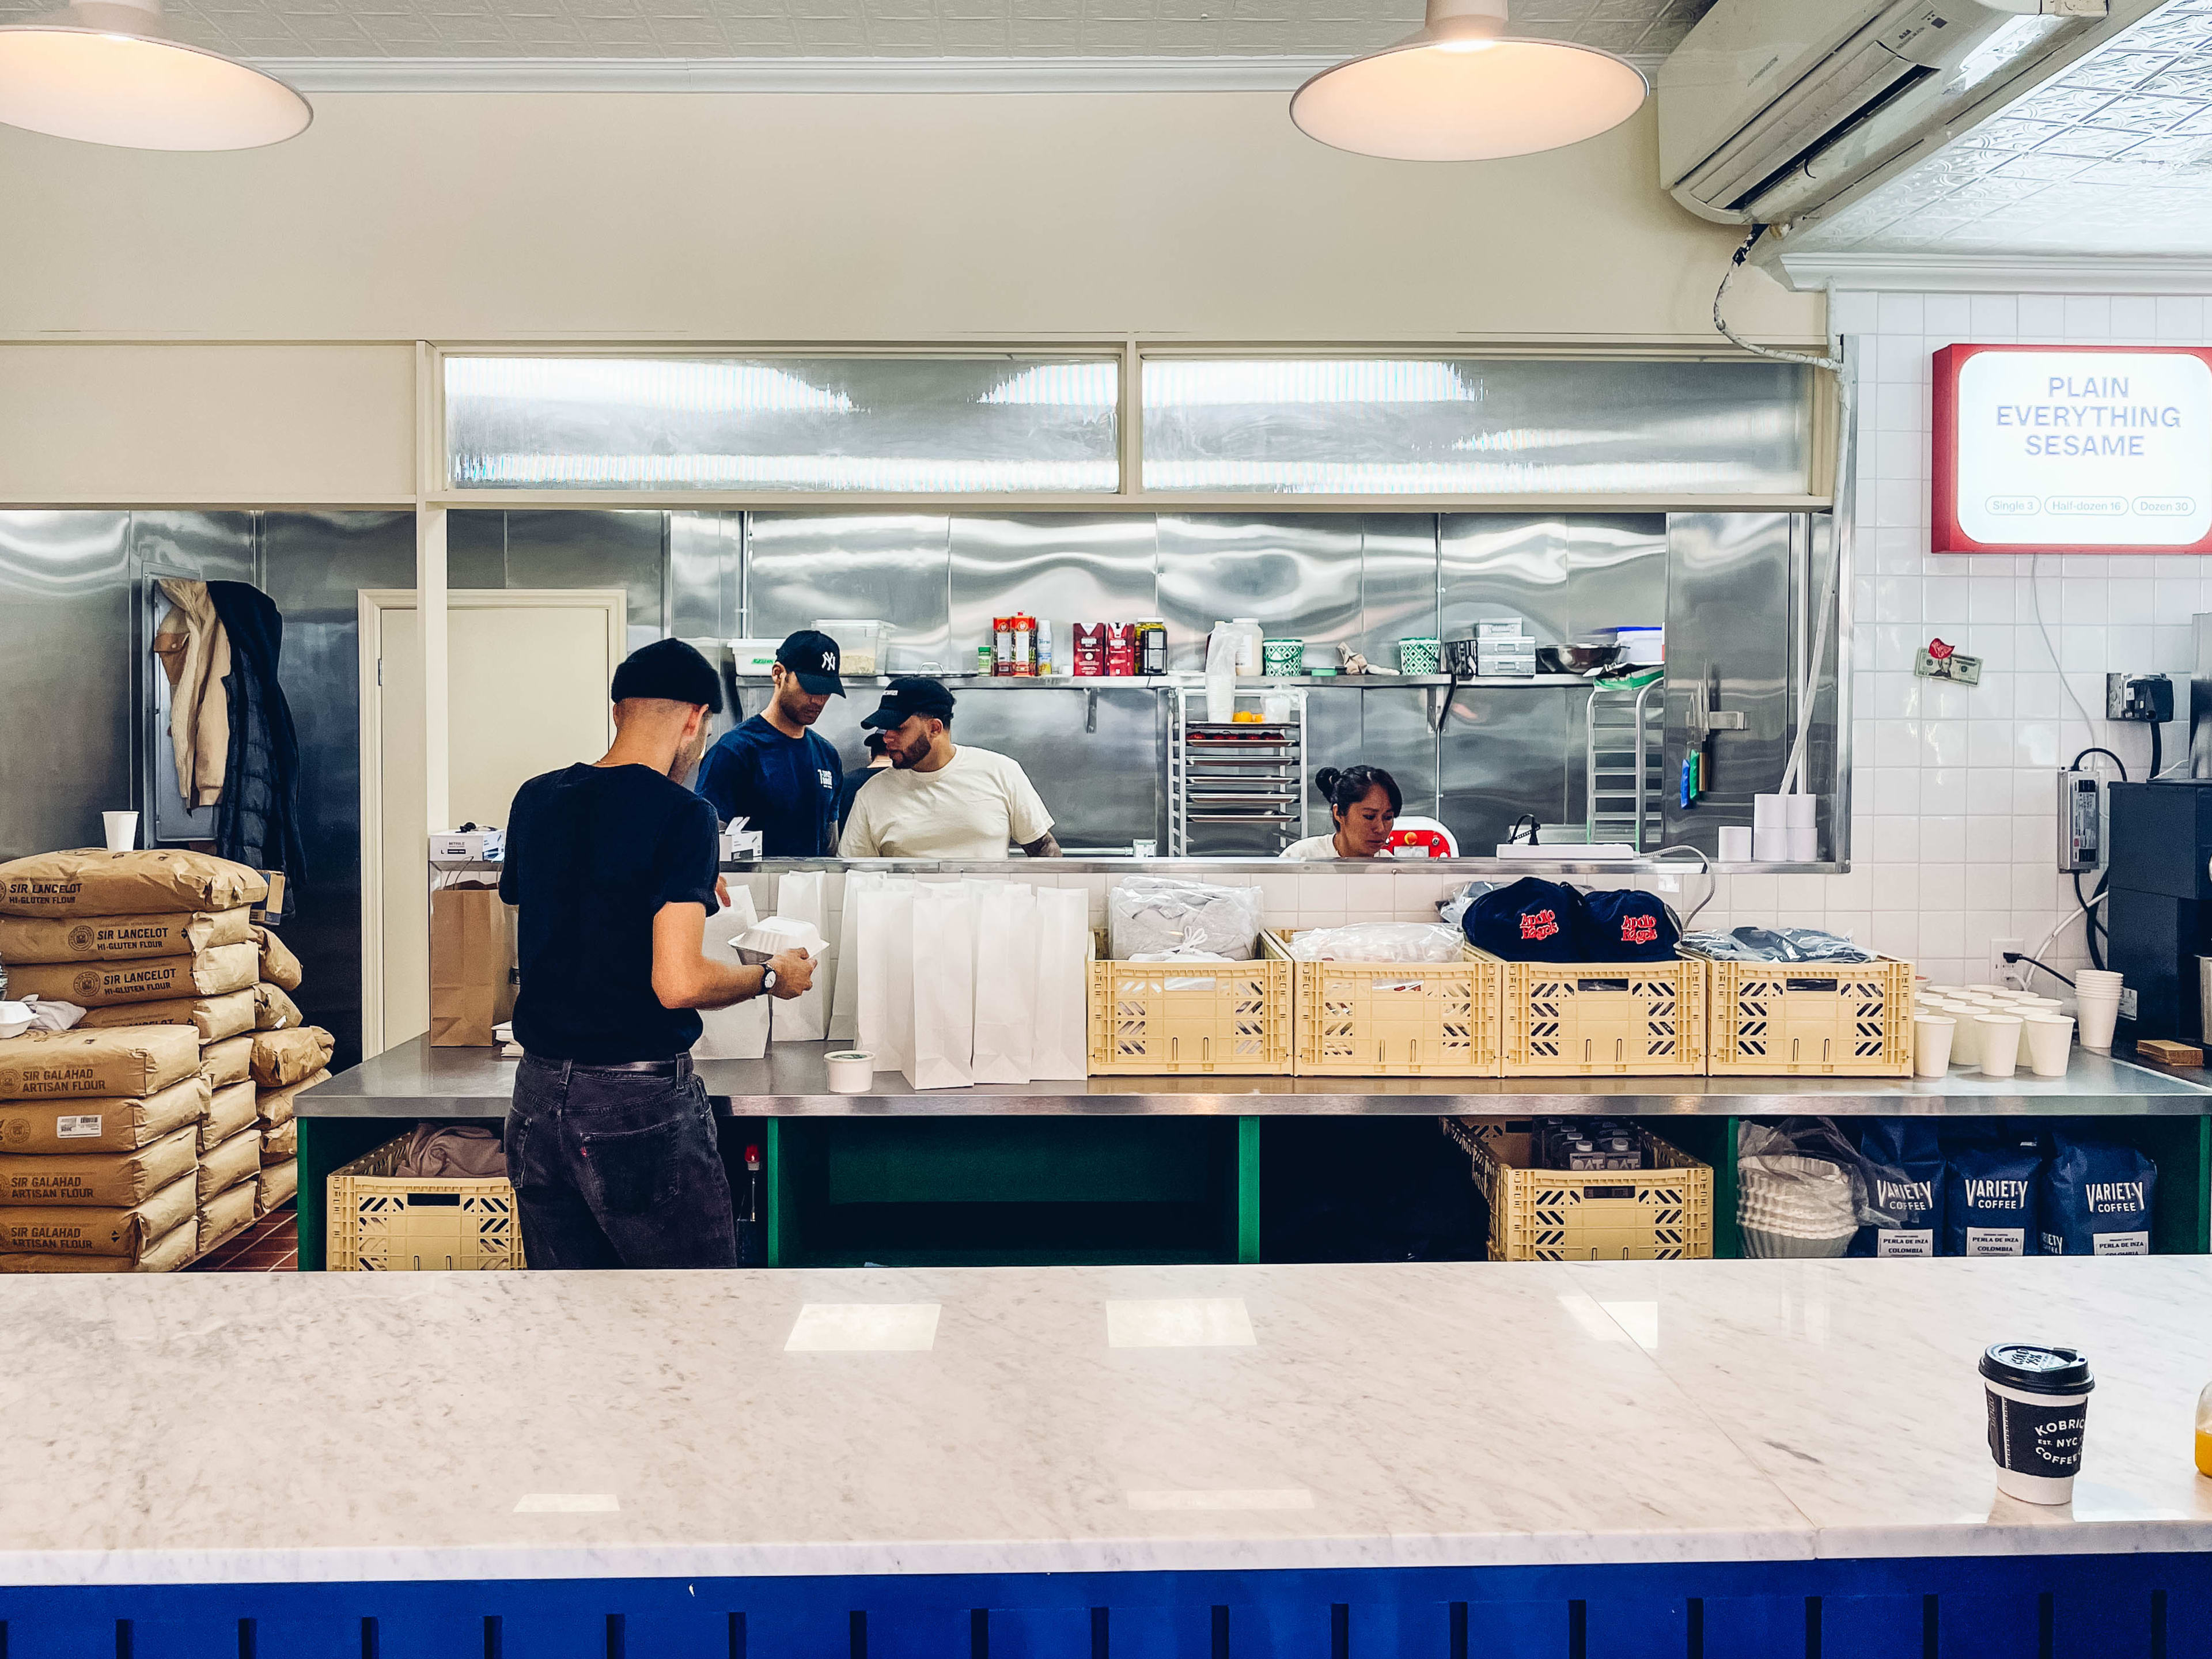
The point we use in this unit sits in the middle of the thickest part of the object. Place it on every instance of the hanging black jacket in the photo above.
(257, 821)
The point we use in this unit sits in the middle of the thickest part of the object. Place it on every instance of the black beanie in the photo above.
(671, 671)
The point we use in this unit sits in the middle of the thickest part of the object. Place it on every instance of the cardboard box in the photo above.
(277, 1106)
(73, 1229)
(108, 939)
(228, 1061)
(172, 1250)
(210, 1019)
(148, 979)
(229, 1110)
(91, 1064)
(236, 1159)
(476, 846)
(472, 966)
(98, 1179)
(94, 882)
(227, 1214)
(44, 1128)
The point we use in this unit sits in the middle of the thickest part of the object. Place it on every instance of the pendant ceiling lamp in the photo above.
(104, 72)
(1460, 89)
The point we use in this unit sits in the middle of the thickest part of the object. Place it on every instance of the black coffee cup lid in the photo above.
(2033, 1369)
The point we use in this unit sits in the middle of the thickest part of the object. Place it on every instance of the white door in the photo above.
(527, 672)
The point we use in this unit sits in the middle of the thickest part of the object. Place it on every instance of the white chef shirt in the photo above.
(1314, 849)
(971, 807)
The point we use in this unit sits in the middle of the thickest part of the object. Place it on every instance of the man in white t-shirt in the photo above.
(938, 801)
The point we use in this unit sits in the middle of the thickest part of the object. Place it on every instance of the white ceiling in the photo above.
(563, 30)
(2111, 155)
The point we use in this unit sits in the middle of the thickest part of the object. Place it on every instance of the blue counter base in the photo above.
(2108, 1607)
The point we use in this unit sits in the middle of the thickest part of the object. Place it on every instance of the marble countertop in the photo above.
(414, 1079)
(229, 1427)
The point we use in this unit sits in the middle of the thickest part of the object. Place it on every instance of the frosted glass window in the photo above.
(915, 425)
(1474, 427)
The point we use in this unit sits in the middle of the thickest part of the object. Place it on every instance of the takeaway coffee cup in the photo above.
(122, 830)
(2038, 1399)
(2049, 1039)
(1999, 1044)
(1931, 1044)
(2098, 1009)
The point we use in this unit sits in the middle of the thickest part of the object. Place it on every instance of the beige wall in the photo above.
(864, 217)
(850, 217)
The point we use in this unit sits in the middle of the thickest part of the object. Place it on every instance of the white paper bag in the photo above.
(1005, 981)
(802, 1019)
(845, 1003)
(884, 1004)
(1061, 1045)
(738, 1033)
(943, 972)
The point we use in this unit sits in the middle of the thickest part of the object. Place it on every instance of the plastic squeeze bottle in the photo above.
(2204, 1430)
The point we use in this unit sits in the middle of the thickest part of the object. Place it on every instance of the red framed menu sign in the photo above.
(2072, 449)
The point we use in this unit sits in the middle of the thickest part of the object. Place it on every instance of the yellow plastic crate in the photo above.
(384, 1222)
(1155, 1018)
(1664, 1214)
(1809, 1018)
(1602, 1018)
(1391, 1019)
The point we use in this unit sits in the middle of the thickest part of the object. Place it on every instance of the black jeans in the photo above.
(616, 1169)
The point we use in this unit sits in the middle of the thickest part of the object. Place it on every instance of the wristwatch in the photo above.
(768, 982)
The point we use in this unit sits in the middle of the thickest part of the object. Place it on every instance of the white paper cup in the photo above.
(2038, 1402)
(2000, 1043)
(122, 830)
(2097, 979)
(1735, 843)
(1967, 1039)
(1990, 985)
(2041, 1004)
(2097, 1011)
(2049, 1039)
(852, 1072)
(1931, 1044)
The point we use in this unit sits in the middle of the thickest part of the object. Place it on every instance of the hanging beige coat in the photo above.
(195, 654)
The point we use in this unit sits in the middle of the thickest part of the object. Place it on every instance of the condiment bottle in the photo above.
(2204, 1430)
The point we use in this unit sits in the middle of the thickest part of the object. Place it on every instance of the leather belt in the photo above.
(679, 1066)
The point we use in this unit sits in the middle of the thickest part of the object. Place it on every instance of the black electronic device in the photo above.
(2159, 911)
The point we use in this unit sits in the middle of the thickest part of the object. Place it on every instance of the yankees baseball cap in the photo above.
(814, 658)
(908, 696)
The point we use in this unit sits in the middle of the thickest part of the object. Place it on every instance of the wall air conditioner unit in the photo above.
(1770, 109)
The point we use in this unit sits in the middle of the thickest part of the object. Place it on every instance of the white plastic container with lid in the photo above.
(860, 642)
(1642, 646)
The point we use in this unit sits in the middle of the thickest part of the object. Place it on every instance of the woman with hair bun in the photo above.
(1364, 802)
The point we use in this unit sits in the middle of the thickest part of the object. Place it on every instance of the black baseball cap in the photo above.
(908, 696)
(814, 658)
(671, 671)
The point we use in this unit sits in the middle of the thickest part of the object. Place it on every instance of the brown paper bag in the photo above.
(229, 1111)
(228, 1061)
(280, 1143)
(98, 1179)
(237, 1160)
(278, 965)
(278, 1185)
(78, 1063)
(113, 938)
(70, 1230)
(283, 1058)
(94, 882)
(278, 1105)
(227, 1213)
(472, 966)
(272, 1010)
(151, 979)
(171, 1251)
(210, 1018)
(44, 1128)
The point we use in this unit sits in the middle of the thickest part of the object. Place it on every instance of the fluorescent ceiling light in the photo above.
(104, 72)
(1459, 90)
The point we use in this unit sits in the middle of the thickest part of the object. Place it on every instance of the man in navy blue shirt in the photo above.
(775, 770)
(610, 1143)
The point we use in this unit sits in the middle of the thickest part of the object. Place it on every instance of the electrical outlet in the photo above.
(2001, 971)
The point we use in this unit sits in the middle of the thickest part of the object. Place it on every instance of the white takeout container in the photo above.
(773, 935)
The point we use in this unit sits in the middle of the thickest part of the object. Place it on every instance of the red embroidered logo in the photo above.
(1639, 930)
(1542, 925)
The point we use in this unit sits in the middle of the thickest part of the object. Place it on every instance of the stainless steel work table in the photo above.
(1134, 1141)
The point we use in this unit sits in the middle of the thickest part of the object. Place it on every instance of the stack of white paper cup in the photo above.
(2050, 1040)
(2097, 1003)
(1801, 817)
(1769, 828)
(2000, 1043)
(1931, 1043)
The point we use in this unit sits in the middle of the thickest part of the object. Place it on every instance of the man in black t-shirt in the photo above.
(610, 1141)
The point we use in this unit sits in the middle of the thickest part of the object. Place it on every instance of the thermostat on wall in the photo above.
(2072, 449)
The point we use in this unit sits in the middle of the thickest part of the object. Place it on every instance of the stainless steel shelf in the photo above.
(971, 681)
(415, 1080)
